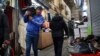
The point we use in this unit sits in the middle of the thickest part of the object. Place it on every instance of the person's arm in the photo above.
(38, 22)
(51, 25)
(65, 27)
(26, 19)
(26, 16)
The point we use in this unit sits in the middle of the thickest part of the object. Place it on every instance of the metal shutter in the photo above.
(95, 16)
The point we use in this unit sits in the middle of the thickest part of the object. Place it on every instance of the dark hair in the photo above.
(89, 38)
(57, 17)
(56, 14)
(72, 18)
(32, 9)
(8, 2)
(97, 38)
(78, 38)
(39, 8)
(84, 16)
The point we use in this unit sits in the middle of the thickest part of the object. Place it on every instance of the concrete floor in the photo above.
(50, 51)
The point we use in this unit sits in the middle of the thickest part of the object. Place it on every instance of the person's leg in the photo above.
(1, 49)
(35, 45)
(28, 45)
(59, 46)
(70, 40)
(55, 45)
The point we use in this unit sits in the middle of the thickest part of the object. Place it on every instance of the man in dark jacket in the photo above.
(71, 30)
(8, 11)
(33, 28)
(71, 27)
(58, 26)
(4, 33)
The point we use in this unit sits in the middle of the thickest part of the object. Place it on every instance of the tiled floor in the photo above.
(50, 51)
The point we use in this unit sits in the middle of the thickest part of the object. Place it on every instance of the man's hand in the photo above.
(30, 17)
(46, 24)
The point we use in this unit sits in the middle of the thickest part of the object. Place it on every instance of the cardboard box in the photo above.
(45, 40)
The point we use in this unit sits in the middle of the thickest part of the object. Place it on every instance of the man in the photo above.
(8, 11)
(58, 27)
(71, 30)
(33, 28)
(4, 33)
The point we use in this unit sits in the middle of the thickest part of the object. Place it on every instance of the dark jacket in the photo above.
(70, 28)
(4, 29)
(58, 26)
(34, 25)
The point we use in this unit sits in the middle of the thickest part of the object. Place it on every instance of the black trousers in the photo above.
(58, 44)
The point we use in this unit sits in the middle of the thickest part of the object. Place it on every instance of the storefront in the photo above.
(44, 41)
(94, 12)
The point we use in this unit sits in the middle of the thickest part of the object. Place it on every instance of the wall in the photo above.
(75, 13)
(61, 7)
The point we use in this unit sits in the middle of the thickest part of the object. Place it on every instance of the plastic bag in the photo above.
(8, 51)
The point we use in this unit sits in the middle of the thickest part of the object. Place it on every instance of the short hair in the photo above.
(39, 8)
(8, 2)
(89, 38)
(72, 18)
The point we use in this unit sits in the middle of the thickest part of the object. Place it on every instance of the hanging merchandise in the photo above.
(28, 2)
(79, 3)
(8, 11)
(25, 5)
(22, 4)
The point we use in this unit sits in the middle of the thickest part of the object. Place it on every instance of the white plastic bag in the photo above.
(8, 50)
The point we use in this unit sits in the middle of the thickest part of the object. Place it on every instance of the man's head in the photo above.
(84, 16)
(39, 10)
(72, 18)
(57, 14)
(31, 10)
(8, 3)
(78, 40)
